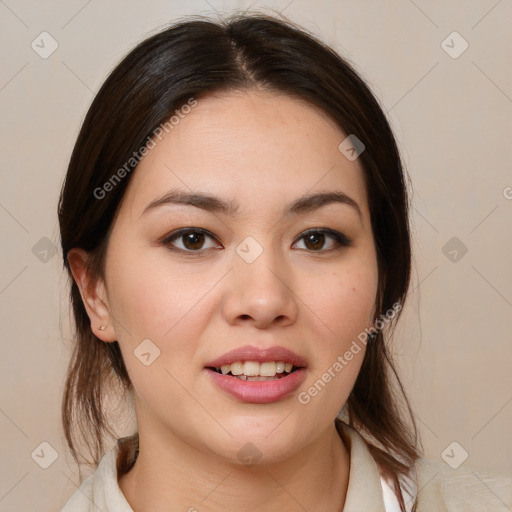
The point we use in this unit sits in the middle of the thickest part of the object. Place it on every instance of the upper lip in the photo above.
(261, 355)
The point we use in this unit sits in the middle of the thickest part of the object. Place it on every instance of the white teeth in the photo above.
(267, 369)
(237, 368)
(254, 369)
(251, 368)
(259, 378)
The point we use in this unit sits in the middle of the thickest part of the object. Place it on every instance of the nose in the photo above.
(260, 293)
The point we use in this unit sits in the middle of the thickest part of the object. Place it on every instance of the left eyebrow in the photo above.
(300, 206)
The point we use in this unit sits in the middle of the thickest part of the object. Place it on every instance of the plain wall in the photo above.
(453, 120)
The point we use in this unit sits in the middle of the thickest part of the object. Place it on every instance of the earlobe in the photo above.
(92, 291)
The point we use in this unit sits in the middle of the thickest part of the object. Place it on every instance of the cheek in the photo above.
(151, 297)
(343, 300)
(351, 306)
(344, 303)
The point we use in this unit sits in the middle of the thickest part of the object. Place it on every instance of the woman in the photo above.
(235, 222)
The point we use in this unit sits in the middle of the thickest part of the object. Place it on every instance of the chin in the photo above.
(263, 441)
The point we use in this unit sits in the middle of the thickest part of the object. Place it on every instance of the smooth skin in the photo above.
(307, 293)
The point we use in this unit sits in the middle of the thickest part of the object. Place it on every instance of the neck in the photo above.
(170, 472)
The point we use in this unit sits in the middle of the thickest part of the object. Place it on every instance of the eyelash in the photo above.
(341, 239)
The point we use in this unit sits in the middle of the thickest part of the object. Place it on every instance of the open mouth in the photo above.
(261, 381)
(255, 371)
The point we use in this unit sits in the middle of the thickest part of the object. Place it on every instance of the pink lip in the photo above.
(259, 392)
(251, 353)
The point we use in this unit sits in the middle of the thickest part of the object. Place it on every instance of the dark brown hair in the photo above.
(194, 58)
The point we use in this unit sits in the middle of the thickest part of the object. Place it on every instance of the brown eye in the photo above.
(192, 240)
(315, 239)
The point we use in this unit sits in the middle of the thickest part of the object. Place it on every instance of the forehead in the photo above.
(260, 148)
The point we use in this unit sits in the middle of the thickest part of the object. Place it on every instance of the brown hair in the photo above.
(194, 58)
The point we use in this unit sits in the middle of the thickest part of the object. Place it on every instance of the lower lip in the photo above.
(259, 391)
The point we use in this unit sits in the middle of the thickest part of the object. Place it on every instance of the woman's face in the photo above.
(248, 277)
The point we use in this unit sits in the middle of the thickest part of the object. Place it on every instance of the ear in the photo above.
(94, 296)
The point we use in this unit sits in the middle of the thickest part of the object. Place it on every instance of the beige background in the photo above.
(453, 120)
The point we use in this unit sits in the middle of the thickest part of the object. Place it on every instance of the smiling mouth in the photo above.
(255, 371)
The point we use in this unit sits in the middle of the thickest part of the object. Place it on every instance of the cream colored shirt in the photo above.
(439, 487)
